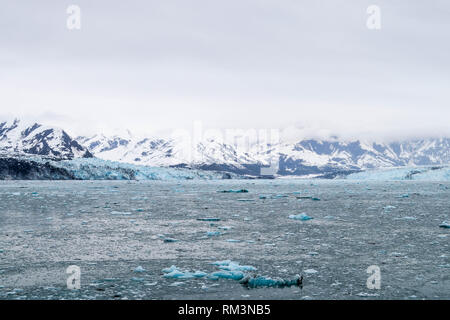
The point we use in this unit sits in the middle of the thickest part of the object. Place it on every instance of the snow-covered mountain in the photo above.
(307, 157)
(317, 155)
(19, 138)
(327, 158)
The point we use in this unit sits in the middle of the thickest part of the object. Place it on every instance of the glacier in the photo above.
(41, 168)
(433, 173)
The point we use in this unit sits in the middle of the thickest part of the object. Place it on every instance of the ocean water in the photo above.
(122, 234)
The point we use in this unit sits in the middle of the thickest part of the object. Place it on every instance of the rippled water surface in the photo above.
(108, 229)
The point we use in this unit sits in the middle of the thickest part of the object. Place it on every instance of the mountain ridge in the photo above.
(19, 138)
(306, 157)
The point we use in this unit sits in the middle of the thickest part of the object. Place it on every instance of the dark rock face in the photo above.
(20, 169)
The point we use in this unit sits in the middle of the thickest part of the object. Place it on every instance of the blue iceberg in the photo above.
(302, 217)
(259, 281)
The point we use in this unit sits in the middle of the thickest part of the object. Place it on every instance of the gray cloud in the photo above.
(153, 65)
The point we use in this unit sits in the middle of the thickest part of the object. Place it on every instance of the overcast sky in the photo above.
(160, 65)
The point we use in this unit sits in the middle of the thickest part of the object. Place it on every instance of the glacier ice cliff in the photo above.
(40, 168)
(432, 173)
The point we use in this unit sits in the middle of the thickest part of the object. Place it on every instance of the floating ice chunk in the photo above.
(176, 284)
(170, 269)
(406, 218)
(233, 240)
(235, 266)
(199, 274)
(315, 199)
(224, 227)
(168, 240)
(365, 294)
(221, 263)
(263, 197)
(213, 233)
(137, 279)
(234, 275)
(174, 273)
(208, 219)
(388, 209)
(109, 279)
(405, 195)
(139, 269)
(445, 225)
(254, 282)
(234, 191)
(178, 274)
(121, 213)
(302, 216)
(310, 271)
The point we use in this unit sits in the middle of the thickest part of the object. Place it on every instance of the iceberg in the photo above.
(302, 217)
(445, 225)
(174, 273)
(139, 269)
(119, 213)
(388, 209)
(259, 281)
(234, 191)
(208, 219)
(233, 275)
(233, 266)
(221, 263)
(310, 271)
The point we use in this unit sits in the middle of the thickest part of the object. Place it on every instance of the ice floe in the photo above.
(234, 191)
(260, 281)
(302, 217)
(445, 225)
